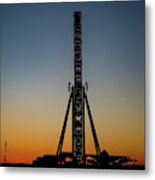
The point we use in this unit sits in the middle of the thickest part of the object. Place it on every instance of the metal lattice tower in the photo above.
(79, 100)
(78, 137)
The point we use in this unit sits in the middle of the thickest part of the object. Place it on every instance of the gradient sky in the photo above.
(37, 64)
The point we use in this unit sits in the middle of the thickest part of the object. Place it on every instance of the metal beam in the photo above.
(97, 147)
(59, 150)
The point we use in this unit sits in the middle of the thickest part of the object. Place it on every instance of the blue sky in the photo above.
(37, 43)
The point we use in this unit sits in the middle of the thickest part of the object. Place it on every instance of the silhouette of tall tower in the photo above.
(78, 133)
(79, 100)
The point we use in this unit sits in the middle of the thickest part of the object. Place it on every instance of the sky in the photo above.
(37, 64)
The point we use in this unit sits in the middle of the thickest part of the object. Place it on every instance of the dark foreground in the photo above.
(130, 167)
(65, 160)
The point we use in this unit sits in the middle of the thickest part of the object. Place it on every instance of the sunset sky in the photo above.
(37, 64)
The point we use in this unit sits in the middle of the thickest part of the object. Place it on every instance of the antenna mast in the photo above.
(5, 152)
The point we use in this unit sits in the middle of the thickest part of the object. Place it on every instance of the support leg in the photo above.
(59, 150)
(97, 147)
